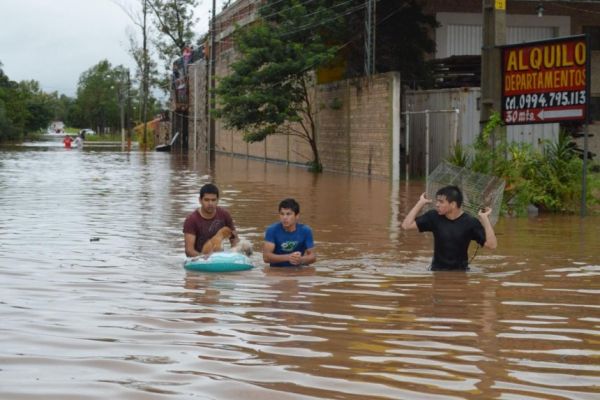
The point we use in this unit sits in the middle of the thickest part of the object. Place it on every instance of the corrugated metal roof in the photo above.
(467, 39)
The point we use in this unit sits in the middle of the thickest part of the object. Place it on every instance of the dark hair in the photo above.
(209, 188)
(290, 204)
(451, 193)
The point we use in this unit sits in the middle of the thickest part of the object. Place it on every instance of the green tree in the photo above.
(64, 108)
(101, 92)
(24, 108)
(96, 101)
(15, 110)
(39, 106)
(173, 23)
(269, 89)
(7, 130)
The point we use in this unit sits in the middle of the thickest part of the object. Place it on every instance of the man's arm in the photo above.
(309, 257)
(270, 257)
(190, 242)
(295, 258)
(490, 236)
(409, 220)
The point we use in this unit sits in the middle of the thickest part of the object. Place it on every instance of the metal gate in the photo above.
(434, 121)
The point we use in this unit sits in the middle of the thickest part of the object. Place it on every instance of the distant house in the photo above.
(56, 127)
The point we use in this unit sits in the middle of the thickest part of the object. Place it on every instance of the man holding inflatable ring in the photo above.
(201, 225)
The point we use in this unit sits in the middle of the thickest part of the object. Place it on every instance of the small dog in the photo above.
(216, 242)
(244, 247)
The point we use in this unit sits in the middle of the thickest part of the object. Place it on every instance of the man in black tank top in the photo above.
(452, 228)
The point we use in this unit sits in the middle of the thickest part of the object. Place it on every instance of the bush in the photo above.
(550, 180)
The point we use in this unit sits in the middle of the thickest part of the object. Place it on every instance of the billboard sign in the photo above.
(546, 81)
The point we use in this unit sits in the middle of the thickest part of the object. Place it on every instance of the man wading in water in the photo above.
(452, 228)
(201, 225)
(289, 243)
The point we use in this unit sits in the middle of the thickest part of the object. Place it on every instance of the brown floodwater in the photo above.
(95, 303)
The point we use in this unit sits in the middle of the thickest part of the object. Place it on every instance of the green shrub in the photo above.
(550, 179)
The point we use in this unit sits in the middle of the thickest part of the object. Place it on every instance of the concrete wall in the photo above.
(357, 130)
(356, 125)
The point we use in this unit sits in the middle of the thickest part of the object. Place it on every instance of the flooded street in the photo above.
(95, 302)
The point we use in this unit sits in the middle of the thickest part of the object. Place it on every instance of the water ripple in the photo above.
(95, 303)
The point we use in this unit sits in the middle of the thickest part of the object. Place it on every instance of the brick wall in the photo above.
(354, 130)
(355, 125)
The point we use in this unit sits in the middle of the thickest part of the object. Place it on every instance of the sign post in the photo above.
(548, 82)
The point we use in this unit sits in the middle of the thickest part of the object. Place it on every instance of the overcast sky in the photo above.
(55, 41)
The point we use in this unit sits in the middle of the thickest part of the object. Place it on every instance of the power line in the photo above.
(312, 66)
(370, 37)
(280, 12)
(576, 9)
(323, 22)
(239, 16)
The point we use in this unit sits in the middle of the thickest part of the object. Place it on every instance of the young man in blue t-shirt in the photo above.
(288, 243)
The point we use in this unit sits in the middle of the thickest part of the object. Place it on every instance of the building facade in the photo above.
(458, 36)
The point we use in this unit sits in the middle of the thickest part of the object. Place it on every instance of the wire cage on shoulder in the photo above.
(479, 190)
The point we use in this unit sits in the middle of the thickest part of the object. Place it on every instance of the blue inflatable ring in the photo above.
(220, 262)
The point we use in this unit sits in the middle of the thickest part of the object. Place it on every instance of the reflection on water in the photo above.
(95, 303)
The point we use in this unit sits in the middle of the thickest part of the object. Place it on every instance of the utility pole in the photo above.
(494, 34)
(211, 120)
(129, 114)
(145, 75)
(120, 86)
(370, 29)
(122, 110)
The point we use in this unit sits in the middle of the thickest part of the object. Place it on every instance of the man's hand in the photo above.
(295, 258)
(490, 236)
(409, 220)
(424, 200)
(485, 212)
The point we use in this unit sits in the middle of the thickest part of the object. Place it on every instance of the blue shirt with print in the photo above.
(288, 242)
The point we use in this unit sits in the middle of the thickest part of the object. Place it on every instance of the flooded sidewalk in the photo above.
(96, 304)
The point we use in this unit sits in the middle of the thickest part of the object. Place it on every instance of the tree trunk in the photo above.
(311, 131)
